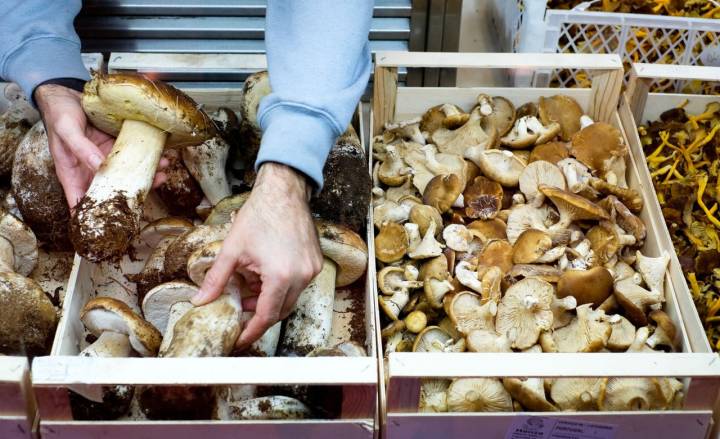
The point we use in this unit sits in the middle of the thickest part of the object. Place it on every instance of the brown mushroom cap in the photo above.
(604, 242)
(490, 229)
(162, 228)
(497, 253)
(391, 243)
(28, 316)
(107, 314)
(530, 392)
(109, 99)
(586, 286)
(530, 246)
(423, 215)
(223, 210)
(551, 152)
(596, 145)
(177, 254)
(575, 207)
(20, 240)
(448, 116)
(442, 191)
(483, 198)
(665, 331)
(502, 116)
(344, 247)
(563, 110)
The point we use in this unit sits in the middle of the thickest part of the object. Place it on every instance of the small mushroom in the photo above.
(524, 312)
(500, 165)
(433, 396)
(433, 339)
(483, 198)
(653, 270)
(606, 241)
(561, 109)
(467, 275)
(576, 175)
(391, 211)
(489, 229)
(478, 395)
(457, 237)
(423, 215)
(521, 136)
(598, 147)
(442, 191)
(629, 197)
(530, 246)
(435, 290)
(577, 394)
(561, 311)
(622, 335)
(416, 321)
(497, 112)
(589, 332)
(572, 207)
(636, 300)
(530, 392)
(404, 130)
(391, 243)
(665, 332)
(442, 116)
(429, 247)
(497, 253)
(393, 171)
(537, 173)
(591, 286)
(488, 341)
(552, 152)
(624, 218)
(392, 280)
(545, 133)
(469, 314)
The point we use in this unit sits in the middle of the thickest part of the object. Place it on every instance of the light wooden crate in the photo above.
(63, 369)
(405, 370)
(17, 405)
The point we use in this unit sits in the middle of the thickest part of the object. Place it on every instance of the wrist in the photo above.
(45, 92)
(283, 179)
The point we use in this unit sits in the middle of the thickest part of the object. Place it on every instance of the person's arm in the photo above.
(319, 64)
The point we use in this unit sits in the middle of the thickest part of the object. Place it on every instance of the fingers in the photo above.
(85, 150)
(215, 279)
(267, 311)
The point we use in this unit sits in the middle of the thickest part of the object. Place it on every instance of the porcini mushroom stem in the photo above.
(308, 326)
(108, 216)
(176, 312)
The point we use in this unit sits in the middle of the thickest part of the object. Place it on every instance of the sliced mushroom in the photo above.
(524, 312)
(478, 395)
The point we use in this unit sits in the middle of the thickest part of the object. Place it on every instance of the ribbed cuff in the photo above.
(44, 58)
(296, 136)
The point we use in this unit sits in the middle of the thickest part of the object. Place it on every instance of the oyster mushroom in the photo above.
(561, 109)
(524, 312)
(146, 116)
(572, 207)
(606, 240)
(488, 341)
(636, 300)
(576, 175)
(36, 190)
(589, 332)
(345, 260)
(531, 246)
(622, 335)
(500, 165)
(478, 395)
(433, 396)
(537, 173)
(469, 314)
(391, 243)
(590, 286)
(483, 198)
(665, 332)
(624, 218)
(467, 275)
(434, 339)
(442, 191)
(489, 229)
(530, 392)
(577, 394)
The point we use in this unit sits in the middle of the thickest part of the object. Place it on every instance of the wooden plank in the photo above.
(384, 95)
(186, 62)
(359, 402)
(15, 427)
(17, 406)
(358, 429)
(498, 60)
(681, 72)
(606, 86)
(631, 425)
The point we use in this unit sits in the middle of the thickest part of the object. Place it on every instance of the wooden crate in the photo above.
(405, 370)
(17, 404)
(55, 374)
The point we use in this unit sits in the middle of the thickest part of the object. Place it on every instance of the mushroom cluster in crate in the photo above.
(172, 240)
(514, 230)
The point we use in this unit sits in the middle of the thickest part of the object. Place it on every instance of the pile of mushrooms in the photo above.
(514, 230)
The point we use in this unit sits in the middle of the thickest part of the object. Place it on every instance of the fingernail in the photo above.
(95, 162)
(199, 298)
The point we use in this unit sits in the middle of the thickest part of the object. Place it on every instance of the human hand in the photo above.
(77, 147)
(273, 245)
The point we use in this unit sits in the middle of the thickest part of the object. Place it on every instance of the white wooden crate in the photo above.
(53, 375)
(17, 405)
(407, 369)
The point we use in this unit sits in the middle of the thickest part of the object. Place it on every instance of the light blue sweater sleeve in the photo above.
(319, 64)
(38, 42)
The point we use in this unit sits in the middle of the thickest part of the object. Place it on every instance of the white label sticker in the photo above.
(537, 427)
(710, 56)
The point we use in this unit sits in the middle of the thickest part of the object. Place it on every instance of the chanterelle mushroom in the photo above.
(478, 395)
(524, 312)
(146, 116)
(345, 260)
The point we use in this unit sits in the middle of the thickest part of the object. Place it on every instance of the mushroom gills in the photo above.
(308, 326)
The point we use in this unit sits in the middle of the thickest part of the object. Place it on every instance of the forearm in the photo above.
(319, 64)
(38, 42)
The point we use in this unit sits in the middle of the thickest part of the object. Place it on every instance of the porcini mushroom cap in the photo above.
(29, 317)
(563, 110)
(222, 212)
(591, 286)
(162, 228)
(23, 242)
(177, 254)
(478, 395)
(109, 99)
(346, 248)
(107, 314)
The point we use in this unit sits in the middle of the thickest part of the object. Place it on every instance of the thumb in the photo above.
(82, 148)
(215, 280)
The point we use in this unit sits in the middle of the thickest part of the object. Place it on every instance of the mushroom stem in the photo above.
(308, 326)
(108, 216)
(206, 163)
(109, 344)
(176, 312)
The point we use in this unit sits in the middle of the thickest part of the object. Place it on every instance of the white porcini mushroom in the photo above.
(524, 311)
(165, 304)
(429, 247)
(478, 395)
(536, 173)
(467, 275)
(457, 237)
(345, 259)
(488, 341)
(653, 270)
(145, 116)
(433, 396)
(468, 313)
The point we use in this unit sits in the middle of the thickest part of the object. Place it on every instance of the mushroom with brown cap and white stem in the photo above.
(391, 243)
(434, 339)
(429, 247)
(457, 237)
(561, 311)
(531, 246)
(622, 335)
(577, 394)
(345, 260)
(484, 340)
(180, 193)
(478, 395)
(423, 215)
(393, 171)
(561, 109)
(146, 116)
(537, 173)
(552, 152)
(520, 136)
(589, 332)
(37, 191)
(665, 333)
(489, 229)
(524, 312)
(482, 198)
(18, 246)
(177, 254)
(572, 207)
(404, 130)
(467, 275)
(497, 253)
(591, 286)
(448, 116)
(636, 300)
(433, 396)
(577, 176)
(545, 133)
(606, 240)
(599, 146)
(223, 210)
(498, 112)
(391, 211)
(624, 218)
(442, 191)
(525, 216)
(471, 134)
(165, 304)
(468, 313)
(653, 270)
(394, 279)
(500, 165)
(530, 392)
